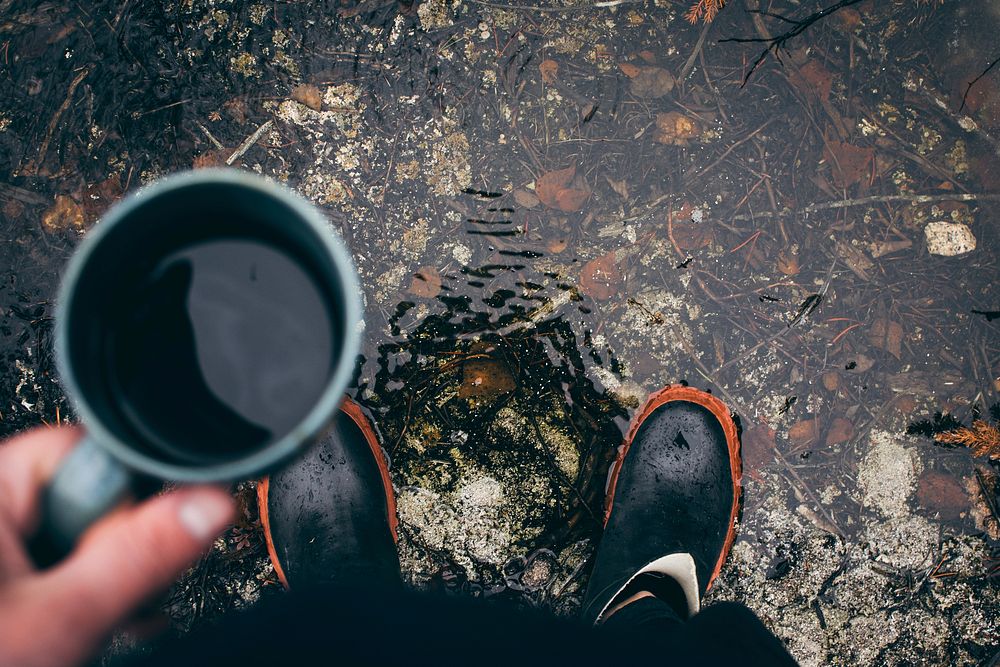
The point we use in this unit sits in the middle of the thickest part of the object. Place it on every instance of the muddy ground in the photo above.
(560, 206)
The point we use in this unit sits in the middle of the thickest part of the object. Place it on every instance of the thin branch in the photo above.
(604, 4)
(250, 141)
(976, 80)
(775, 44)
(875, 199)
(32, 167)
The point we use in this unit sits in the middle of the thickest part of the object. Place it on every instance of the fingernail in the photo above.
(205, 514)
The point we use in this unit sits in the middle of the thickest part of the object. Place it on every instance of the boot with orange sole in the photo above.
(671, 506)
(330, 517)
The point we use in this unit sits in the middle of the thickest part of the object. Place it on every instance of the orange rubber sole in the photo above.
(721, 412)
(352, 410)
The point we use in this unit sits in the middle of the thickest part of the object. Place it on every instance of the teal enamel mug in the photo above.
(206, 329)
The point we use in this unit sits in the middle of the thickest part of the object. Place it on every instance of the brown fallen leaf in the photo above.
(12, 209)
(676, 129)
(572, 199)
(757, 447)
(692, 235)
(831, 381)
(787, 263)
(426, 282)
(847, 19)
(855, 259)
(804, 432)
(308, 95)
(849, 164)
(629, 70)
(859, 363)
(812, 79)
(556, 246)
(562, 189)
(620, 187)
(841, 430)
(212, 158)
(64, 214)
(98, 197)
(943, 494)
(548, 69)
(887, 335)
(600, 278)
(237, 109)
(485, 378)
(651, 82)
(526, 199)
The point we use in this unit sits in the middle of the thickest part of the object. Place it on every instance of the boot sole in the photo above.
(721, 412)
(352, 410)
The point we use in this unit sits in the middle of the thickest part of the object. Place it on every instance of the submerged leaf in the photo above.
(600, 278)
(485, 378)
(849, 164)
(426, 282)
(548, 69)
(651, 82)
(561, 189)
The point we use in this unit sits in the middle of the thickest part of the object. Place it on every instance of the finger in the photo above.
(131, 555)
(27, 462)
(14, 560)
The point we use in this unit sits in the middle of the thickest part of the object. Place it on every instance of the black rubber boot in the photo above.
(673, 498)
(330, 517)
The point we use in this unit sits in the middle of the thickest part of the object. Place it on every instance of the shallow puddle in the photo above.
(557, 208)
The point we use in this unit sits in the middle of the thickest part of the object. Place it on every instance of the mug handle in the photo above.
(86, 486)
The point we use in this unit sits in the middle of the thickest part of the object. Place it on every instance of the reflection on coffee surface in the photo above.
(223, 350)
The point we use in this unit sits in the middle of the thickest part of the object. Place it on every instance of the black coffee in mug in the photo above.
(221, 348)
(205, 331)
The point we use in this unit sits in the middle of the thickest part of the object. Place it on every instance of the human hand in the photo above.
(63, 615)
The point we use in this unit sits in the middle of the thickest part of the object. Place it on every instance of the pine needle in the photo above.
(704, 10)
(983, 438)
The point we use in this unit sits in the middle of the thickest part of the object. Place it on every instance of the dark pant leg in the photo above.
(366, 627)
(720, 633)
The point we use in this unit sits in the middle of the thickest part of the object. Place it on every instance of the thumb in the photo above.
(131, 555)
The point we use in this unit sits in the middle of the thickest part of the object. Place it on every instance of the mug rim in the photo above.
(326, 405)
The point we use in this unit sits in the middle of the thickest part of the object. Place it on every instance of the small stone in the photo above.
(949, 239)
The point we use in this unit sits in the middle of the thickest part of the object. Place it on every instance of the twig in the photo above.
(725, 154)
(775, 44)
(33, 165)
(976, 80)
(694, 53)
(250, 141)
(140, 114)
(604, 4)
(215, 142)
(874, 199)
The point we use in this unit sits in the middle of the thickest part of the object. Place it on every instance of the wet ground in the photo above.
(556, 208)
